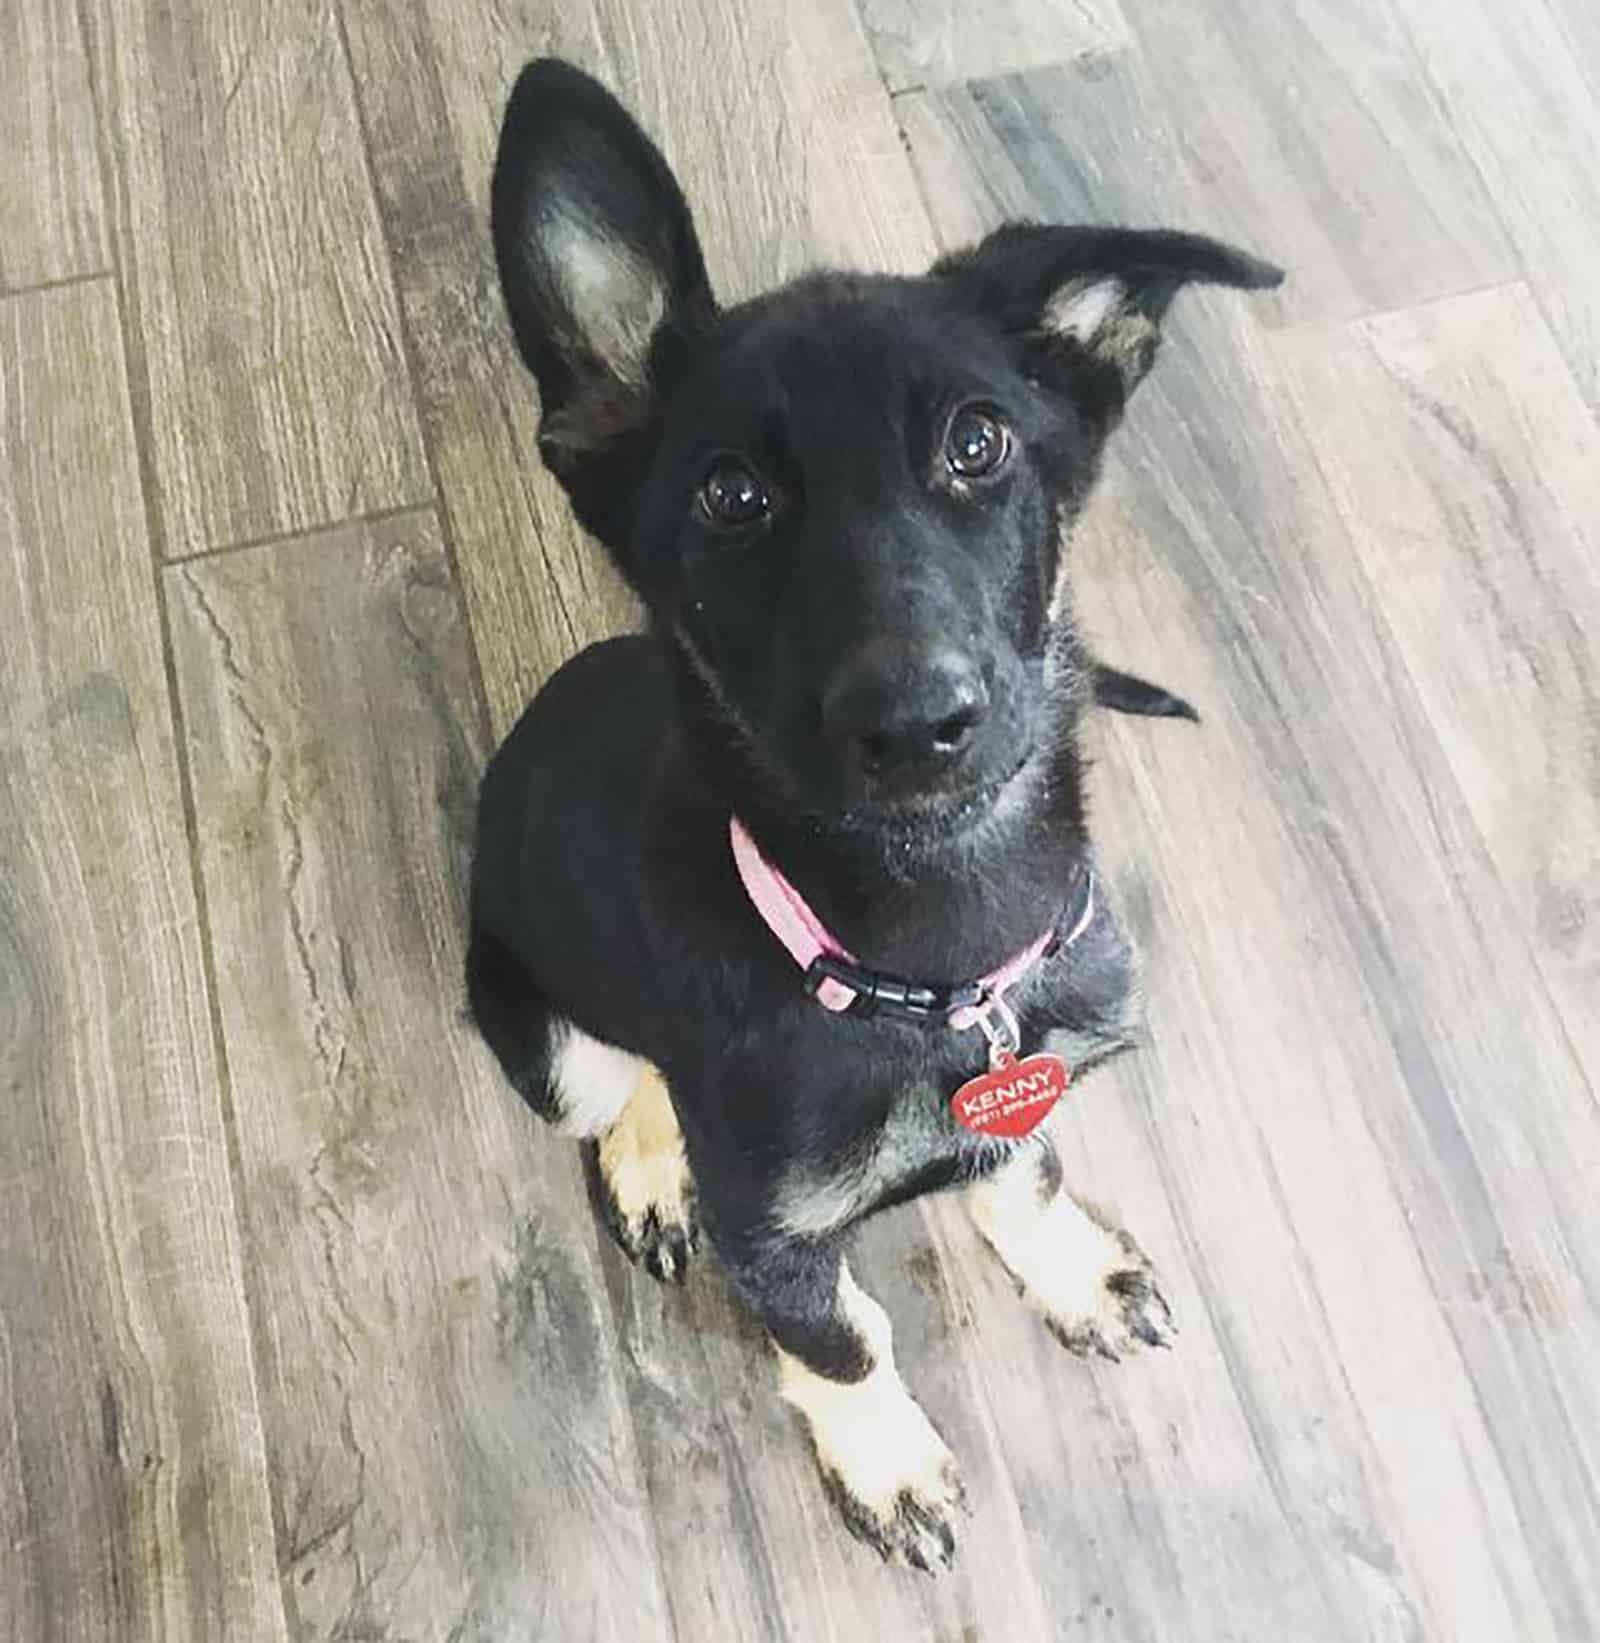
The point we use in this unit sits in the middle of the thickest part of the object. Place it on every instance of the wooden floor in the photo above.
(305, 1329)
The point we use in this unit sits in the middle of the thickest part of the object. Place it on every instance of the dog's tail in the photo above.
(1127, 693)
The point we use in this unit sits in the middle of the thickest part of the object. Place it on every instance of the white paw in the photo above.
(889, 1473)
(1113, 1311)
(882, 1463)
(1093, 1284)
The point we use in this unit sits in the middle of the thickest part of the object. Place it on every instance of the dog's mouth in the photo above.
(927, 817)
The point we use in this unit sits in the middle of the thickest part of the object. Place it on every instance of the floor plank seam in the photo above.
(34, 287)
(278, 539)
(1327, 325)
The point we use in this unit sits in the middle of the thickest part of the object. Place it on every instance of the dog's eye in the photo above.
(977, 443)
(731, 494)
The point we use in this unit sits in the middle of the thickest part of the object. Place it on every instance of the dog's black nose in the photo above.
(892, 710)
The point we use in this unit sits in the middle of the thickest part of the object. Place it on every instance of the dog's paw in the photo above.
(646, 1191)
(894, 1482)
(1119, 1308)
(884, 1466)
(882, 1462)
(916, 1523)
(1090, 1280)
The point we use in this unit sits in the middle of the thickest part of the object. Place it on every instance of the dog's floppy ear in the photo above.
(602, 276)
(1088, 302)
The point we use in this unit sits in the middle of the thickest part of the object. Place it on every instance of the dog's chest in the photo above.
(919, 1145)
(918, 1141)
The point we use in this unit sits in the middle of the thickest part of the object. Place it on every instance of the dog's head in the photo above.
(843, 503)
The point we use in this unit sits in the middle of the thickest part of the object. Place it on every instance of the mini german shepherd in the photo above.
(789, 902)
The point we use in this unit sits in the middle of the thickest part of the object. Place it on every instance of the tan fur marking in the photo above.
(643, 1162)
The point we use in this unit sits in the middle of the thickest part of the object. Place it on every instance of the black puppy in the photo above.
(756, 894)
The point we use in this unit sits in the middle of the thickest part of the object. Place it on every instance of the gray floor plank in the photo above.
(1458, 450)
(52, 214)
(1579, 24)
(270, 358)
(1431, 1007)
(1323, 1249)
(1294, 115)
(1529, 116)
(133, 1497)
(937, 42)
(450, 1453)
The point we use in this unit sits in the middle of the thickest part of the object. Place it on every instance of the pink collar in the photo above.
(839, 982)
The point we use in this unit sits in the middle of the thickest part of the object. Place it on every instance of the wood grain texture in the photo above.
(254, 270)
(1410, 1113)
(779, 129)
(52, 214)
(1293, 115)
(1579, 24)
(937, 42)
(1528, 114)
(450, 1453)
(1458, 451)
(1353, 522)
(133, 1499)
(1448, 1049)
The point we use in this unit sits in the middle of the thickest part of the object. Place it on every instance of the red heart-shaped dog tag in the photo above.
(1011, 1100)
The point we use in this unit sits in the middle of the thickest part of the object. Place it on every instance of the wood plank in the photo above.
(921, 44)
(1461, 456)
(1292, 114)
(780, 132)
(1529, 117)
(1379, 983)
(52, 213)
(1493, 1195)
(271, 372)
(1579, 24)
(450, 1452)
(1290, 1126)
(133, 1498)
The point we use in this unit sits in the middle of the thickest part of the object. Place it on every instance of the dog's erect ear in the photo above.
(601, 272)
(1088, 302)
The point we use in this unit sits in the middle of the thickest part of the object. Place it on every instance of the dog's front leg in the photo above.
(885, 1466)
(1093, 1284)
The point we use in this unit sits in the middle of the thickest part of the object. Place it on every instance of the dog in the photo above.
(787, 905)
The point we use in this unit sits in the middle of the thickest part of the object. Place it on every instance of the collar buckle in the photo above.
(880, 994)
